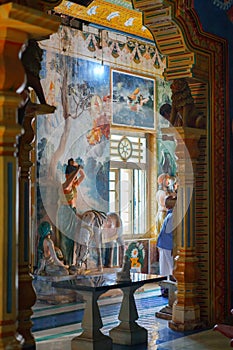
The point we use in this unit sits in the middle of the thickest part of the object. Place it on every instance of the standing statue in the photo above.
(31, 59)
(163, 185)
(48, 262)
(67, 218)
(77, 230)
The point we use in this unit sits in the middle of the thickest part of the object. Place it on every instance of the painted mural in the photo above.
(78, 129)
(133, 98)
(77, 80)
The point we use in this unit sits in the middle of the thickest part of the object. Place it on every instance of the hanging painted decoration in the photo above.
(136, 254)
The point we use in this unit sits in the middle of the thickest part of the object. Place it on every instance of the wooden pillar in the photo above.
(186, 311)
(10, 45)
(152, 151)
(27, 296)
(17, 23)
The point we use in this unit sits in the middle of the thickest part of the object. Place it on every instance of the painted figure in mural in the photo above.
(165, 240)
(163, 185)
(48, 262)
(67, 212)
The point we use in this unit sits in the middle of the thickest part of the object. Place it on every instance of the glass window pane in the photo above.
(112, 176)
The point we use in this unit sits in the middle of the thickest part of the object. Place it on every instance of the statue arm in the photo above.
(67, 185)
(161, 198)
(80, 178)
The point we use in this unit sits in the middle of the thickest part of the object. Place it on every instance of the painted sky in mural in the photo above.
(78, 129)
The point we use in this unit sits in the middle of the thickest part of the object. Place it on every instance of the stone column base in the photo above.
(185, 319)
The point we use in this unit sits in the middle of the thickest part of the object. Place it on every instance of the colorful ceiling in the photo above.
(223, 4)
(116, 14)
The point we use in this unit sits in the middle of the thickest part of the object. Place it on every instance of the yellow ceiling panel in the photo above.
(118, 15)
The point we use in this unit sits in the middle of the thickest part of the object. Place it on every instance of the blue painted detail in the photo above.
(10, 212)
(26, 220)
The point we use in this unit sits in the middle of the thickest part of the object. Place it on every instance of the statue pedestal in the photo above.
(51, 295)
(166, 312)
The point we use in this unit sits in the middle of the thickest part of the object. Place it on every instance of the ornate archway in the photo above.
(201, 58)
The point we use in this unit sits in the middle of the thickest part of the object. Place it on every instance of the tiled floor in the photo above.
(160, 336)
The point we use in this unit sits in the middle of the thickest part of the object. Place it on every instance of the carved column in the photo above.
(152, 151)
(17, 22)
(10, 45)
(186, 311)
(27, 296)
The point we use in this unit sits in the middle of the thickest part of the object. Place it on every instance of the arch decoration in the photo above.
(191, 54)
(201, 58)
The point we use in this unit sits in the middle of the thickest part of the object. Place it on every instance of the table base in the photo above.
(99, 342)
(128, 334)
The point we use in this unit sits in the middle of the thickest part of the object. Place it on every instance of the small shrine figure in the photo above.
(124, 274)
(49, 264)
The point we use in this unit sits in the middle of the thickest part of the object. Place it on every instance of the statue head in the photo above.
(44, 229)
(163, 180)
(70, 167)
(165, 111)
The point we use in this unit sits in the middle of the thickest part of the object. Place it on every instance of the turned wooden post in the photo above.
(17, 24)
(186, 311)
(10, 45)
(27, 296)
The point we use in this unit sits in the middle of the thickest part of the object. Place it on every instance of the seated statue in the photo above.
(49, 264)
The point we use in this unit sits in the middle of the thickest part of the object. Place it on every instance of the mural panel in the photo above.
(133, 100)
(78, 129)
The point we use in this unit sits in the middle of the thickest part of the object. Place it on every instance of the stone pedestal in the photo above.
(166, 312)
(128, 332)
(91, 338)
